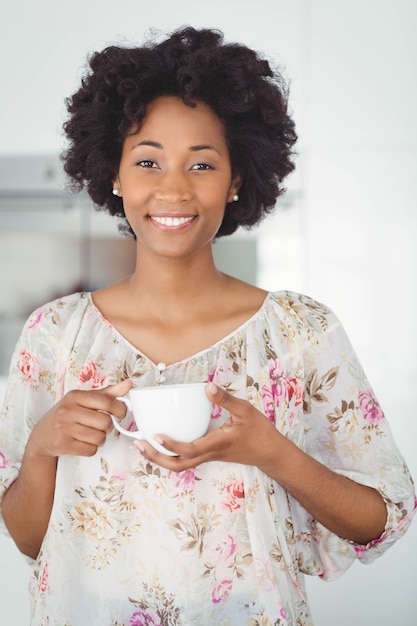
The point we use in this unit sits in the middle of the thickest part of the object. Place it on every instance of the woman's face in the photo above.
(175, 178)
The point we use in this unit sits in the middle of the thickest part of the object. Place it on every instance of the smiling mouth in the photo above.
(172, 221)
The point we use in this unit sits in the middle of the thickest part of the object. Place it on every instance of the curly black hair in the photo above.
(195, 65)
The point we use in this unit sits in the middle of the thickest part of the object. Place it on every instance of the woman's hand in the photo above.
(348, 509)
(76, 425)
(247, 437)
(79, 423)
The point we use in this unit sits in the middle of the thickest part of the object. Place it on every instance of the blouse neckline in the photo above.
(213, 346)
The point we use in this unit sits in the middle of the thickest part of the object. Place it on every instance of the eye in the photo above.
(201, 167)
(146, 163)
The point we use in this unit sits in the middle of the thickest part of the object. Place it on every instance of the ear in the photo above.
(116, 188)
(234, 187)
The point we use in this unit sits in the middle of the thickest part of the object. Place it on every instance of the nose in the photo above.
(173, 187)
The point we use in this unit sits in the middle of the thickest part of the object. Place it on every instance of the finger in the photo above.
(223, 398)
(89, 435)
(101, 401)
(89, 409)
(186, 458)
(80, 448)
(115, 407)
(118, 389)
(200, 450)
(97, 419)
(80, 436)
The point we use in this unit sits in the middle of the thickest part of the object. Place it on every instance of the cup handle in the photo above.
(134, 434)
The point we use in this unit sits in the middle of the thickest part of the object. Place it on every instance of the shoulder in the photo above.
(58, 314)
(303, 309)
(46, 340)
(311, 324)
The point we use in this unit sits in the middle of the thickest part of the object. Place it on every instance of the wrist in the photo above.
(278, 456)
(34, 454)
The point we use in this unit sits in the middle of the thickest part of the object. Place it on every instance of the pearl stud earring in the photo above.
(116, 191)
(235, 197)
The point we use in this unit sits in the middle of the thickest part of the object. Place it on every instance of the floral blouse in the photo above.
(132, 544)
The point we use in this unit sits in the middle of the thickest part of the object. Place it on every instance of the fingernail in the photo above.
(212, 388)
(139, 446)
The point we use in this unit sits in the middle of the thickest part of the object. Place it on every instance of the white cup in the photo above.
(181, 412)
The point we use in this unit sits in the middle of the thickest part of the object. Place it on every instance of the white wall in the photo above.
(348, 240)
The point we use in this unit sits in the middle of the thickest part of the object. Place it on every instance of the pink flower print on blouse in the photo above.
(295, 392)
(147, 617)
(276, 390)
(35, 321)
(279, 390)
(3, 461)
(269, 398)
(235, 494)
(264, 574)
(371, 410)
(295, 398)
(43, 579)
(221, 591)
(216, 411)
(223, 374)
(90, 374)
(221, 548)
(29, 366)
(132, 426)
(183, 480)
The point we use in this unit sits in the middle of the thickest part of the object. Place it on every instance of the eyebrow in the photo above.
(202, 147)
(159, 146)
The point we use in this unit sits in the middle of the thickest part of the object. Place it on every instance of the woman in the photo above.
(186, 140)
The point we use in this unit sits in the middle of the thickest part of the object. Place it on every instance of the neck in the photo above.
(176, 281)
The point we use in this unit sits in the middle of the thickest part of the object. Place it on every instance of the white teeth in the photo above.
(172, 221)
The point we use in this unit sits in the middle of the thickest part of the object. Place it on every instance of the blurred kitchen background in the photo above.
(344, 234)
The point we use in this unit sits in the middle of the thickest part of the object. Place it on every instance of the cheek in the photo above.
(216, 198)
(135, 201)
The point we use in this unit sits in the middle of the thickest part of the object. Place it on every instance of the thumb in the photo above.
(223, 398)
(118, 389)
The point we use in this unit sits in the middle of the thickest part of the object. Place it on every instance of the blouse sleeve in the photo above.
(346, 430)
(33, 387)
